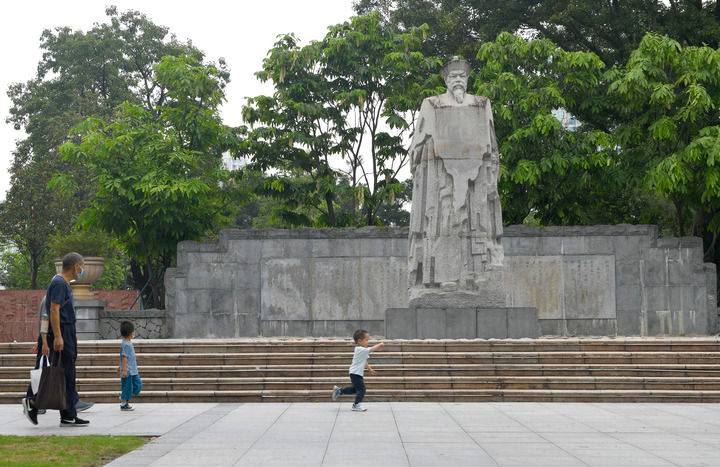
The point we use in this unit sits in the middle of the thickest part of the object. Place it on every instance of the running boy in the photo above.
(131, 383)
(357, 368)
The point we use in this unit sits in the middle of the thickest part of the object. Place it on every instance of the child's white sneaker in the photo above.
(336, 393)
(358, 408)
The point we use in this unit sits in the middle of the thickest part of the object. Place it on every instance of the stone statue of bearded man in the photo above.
(456, 219)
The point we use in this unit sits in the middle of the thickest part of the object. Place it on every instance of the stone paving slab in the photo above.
(402, 433)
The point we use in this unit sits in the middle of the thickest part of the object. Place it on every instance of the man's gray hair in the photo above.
(71, 259)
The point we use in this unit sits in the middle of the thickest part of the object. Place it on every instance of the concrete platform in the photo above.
(402, 433)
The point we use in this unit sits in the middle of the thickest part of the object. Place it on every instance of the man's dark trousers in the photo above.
(68, 357)
(38, 356)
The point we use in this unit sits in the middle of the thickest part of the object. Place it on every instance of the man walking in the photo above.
(61, 335)
(41, 349)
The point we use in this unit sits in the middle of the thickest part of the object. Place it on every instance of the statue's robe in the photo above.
(456, 218)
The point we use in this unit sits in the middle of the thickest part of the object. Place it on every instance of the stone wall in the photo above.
(19, 311)
(149, 324)
(608, 280)
(287, 282)
(600, 280)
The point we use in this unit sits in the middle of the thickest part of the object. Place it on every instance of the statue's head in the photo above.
(456, 73)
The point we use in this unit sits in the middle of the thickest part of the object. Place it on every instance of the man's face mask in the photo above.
(80, 274)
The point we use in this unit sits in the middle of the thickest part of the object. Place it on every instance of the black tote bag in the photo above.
(51, 392)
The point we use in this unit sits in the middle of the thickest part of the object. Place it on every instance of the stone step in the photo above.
(220, 371)
(707, 344)
(382, 383)
(420, 395)
(623, 369)
(391, 357)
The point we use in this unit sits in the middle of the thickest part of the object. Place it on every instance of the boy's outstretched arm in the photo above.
(376, 346)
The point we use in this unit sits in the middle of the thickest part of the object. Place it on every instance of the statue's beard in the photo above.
(459, 94)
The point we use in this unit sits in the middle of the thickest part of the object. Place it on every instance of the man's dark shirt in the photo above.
(60, 292)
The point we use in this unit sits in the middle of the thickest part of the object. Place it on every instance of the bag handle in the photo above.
(58, 360)
(44, 361)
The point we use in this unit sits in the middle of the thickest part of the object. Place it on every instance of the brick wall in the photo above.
(19, 310)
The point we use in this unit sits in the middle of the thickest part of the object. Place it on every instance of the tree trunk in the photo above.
(330, 209)
(680, 231)
(370, 214)
(701, 220)
(34, 266)
(139, 278)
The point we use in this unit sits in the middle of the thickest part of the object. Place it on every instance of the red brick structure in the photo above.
(19, 310)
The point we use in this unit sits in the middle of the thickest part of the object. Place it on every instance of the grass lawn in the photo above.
(65, 450)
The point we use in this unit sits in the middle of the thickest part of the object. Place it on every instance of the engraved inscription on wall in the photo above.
(332, 288)
(569, 287)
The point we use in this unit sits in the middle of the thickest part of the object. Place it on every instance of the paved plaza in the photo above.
(402, 433)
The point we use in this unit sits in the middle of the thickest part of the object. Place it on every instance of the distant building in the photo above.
(231, 163)
(568, 121)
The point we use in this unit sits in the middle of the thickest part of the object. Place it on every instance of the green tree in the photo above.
(31, 213)
(340, 111)
(159, 175)
(295, 131)
(610, 29)
(380, 79)
(81, 74)
(669, 128)
(546, 169)
(15, 269)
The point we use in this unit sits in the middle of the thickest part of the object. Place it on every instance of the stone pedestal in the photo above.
(87, 313)
(94, 267)
(459, 316)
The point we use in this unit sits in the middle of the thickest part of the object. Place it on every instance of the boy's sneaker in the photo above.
(29, 411)
(358, 408)
(336, 393)
(126, 407)
(74, 422)
(82, 405)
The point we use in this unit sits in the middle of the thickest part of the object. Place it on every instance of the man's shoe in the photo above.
(336, 393)
(75, 422)
(29, 411)
(41, 411)
(81, 405)
(358, 408)
(127, 407)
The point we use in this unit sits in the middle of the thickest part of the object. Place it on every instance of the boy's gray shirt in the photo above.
(128, 350)
(357, 367)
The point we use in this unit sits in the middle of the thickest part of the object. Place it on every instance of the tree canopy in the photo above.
(609, 28)
(339, 113)
(81, 74)
(158, 175)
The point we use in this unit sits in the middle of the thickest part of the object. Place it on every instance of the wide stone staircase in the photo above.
(278, 369)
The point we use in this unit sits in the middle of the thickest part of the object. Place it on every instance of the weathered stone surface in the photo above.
(630, 322)
(441, 300)
(400, 323)
(492, 323)
(522, 322)
(149, 324)
(321, 328)
(711, 298)
(456, 219)
(567, 286)
(87, 313)
(332, 288)
(461, 323)
(591, 327)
